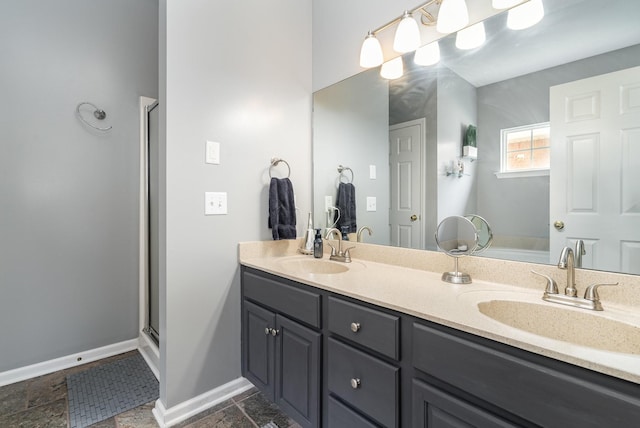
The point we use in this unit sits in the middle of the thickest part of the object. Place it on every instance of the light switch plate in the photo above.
(212, 152)
(215, 203)
(371, 203)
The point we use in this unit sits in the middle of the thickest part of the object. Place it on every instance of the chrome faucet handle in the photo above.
(591, 293)
(333, 249)
(552, 286)
(347, 255)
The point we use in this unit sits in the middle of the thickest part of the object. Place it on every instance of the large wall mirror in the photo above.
(403, 138)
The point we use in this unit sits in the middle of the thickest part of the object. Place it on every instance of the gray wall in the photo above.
(69, 211)
(520, 206)
(350, 128)
(238, 73)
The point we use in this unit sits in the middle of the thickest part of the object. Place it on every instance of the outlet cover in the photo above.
(215, 203)
(371, 203)
(372, 172)
(328, 202)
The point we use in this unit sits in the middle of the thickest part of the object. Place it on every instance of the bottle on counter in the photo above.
(318, 249)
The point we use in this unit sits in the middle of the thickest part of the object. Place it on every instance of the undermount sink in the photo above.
(578, 327)
(314, 266)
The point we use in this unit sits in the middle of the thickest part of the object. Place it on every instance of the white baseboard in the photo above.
(46, 367)
(183, 411)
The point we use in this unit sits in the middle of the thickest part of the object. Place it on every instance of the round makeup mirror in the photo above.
(485, 235)
(457, 236)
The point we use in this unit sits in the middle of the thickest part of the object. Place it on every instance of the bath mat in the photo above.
(110, 389)
(270, 425)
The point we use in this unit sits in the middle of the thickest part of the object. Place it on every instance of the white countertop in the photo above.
(422, 293)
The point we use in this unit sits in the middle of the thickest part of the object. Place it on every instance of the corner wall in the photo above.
(238, 73)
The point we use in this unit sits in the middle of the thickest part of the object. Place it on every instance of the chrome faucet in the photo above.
(567, 262)
(338, 255)
(580, 251)
(591, 298)
(362, 229)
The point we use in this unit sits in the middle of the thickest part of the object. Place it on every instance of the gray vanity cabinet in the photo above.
(280, 356)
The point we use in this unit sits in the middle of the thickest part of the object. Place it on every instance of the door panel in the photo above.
(259, 351)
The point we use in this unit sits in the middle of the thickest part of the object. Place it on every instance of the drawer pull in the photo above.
(355, 327)
(274, 332)
(355, 383)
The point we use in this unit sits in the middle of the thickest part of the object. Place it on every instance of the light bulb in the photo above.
(453, 16)
(407, 36)
(428, 54)
(525, 15)
(471, 37)
(392, 69)
(371, 52)
(504, 4)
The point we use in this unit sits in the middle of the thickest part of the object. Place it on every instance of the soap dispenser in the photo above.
(318, 251)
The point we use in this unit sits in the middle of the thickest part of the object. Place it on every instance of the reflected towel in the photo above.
(282, 209)
(346, 202)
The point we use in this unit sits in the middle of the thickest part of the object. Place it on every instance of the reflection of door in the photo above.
(595, 169)
(406, 152)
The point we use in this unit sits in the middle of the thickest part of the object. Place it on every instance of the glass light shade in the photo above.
(453, 16)
(504, 4)
(525, 15)
(371, 52)
(392, 69)
(471, 37)
(428, 54)
(407, 36)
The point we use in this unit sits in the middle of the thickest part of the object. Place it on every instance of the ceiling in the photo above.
(571, 30)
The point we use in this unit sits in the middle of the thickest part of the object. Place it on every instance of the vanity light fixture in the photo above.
(526, 15)
(392, 69)
(407, 36)
(453, 16)
(447, 15)
(371, 52)
(471, 37)
(427, 54)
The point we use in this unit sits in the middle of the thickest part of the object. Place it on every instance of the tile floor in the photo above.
(42, 403)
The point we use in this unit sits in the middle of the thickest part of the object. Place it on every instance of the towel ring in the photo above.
(275, 162)
(342, 169)
(97, 113)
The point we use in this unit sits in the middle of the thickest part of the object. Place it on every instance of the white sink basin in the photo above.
(576, 326)
(301, 266)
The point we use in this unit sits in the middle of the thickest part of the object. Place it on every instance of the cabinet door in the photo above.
(433, 408)
(298, 371)
(258, 355)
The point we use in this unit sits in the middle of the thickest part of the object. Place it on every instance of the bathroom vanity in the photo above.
(334, 348)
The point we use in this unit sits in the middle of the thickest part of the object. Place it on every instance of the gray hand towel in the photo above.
(346, 202)
(282, 209)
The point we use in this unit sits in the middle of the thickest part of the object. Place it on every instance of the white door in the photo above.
(406, 152)
(595, 169)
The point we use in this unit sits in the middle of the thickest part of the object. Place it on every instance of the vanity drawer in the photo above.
(292, 301)
(341, 416)
(374, 329)
(546, 393)
(365, 382)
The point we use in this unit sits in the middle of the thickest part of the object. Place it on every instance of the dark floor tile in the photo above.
(140, 417)
(262, 411)
(46, 389)
(52, 415)
(231, 417)
(10, 421)
(243, 396)
(204, 414)
(13, 398)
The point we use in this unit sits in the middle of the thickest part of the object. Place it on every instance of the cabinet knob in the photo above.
(355, 383)
(274, 332)
(355, 327)
(267, 330)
